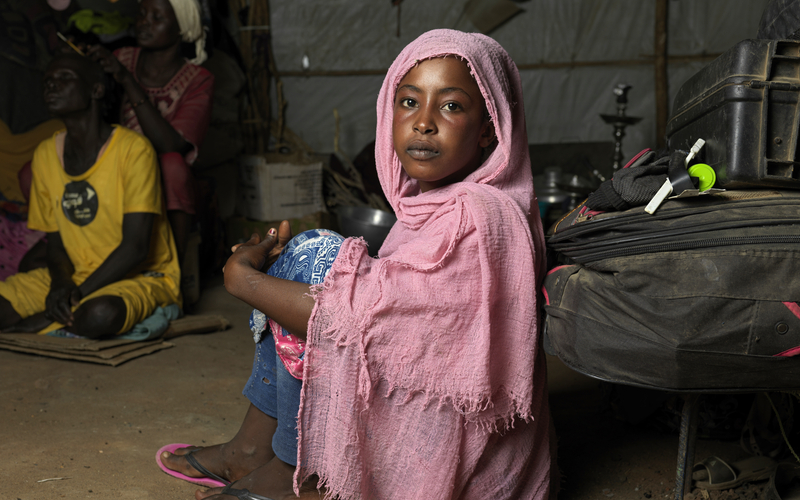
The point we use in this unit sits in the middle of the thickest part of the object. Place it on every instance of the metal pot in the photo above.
(373, 225)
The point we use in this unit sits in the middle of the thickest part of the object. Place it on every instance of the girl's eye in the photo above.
(407, 102)
(451, 106)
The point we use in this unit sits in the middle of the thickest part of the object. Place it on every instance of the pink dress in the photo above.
(185, 102)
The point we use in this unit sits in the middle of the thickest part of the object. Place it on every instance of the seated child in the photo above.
(96, 192)
(422, 375)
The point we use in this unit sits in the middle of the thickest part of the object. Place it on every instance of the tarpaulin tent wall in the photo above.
(571, 53)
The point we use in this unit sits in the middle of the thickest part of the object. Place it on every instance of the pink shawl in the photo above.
(418, 362)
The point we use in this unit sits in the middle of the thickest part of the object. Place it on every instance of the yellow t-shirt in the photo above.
(87, 209)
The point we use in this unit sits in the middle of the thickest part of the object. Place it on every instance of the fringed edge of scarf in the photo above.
(498, 424)
(475, 411)
(465, 404)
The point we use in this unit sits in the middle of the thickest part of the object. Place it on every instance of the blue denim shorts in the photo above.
(307, 258)
(273, 390)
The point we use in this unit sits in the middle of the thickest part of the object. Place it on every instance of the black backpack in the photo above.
(701, 295)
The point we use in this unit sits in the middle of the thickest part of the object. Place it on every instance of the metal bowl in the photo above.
(373, 225)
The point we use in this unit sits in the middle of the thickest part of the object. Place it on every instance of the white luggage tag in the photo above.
(666, 189)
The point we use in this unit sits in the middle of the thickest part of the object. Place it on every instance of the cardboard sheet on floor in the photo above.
(110, 352)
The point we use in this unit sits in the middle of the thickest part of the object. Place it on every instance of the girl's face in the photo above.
(156, 25)
(439, 127)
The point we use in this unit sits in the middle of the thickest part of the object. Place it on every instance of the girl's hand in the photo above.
(284, 236)
(108, 62)
(285, 301)
(253, 253)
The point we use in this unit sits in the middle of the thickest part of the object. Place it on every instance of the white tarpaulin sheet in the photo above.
(562, 102)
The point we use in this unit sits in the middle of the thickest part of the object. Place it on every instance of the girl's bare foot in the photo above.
(272, 480)
(247, 451)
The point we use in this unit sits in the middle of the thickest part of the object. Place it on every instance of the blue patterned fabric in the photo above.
(307, 259)
(275, 392)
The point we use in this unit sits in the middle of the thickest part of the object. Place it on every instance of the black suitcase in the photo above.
(702, 295)
(744, 104)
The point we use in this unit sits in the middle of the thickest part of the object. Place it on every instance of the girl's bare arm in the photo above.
(284, 301)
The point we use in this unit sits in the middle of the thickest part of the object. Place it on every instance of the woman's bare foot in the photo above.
(31, 324)
(247, 451)
(272, 480)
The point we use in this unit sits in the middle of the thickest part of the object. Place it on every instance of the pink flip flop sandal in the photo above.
(210, 481)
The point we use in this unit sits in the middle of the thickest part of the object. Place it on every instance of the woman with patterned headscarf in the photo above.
(167, 97)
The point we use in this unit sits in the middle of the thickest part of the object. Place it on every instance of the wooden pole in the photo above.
(522, 67)
(662, 95)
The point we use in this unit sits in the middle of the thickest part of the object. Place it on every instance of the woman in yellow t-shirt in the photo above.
(96, 192)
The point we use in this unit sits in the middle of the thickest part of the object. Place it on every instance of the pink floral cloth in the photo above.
(15, 241)
(424, 377)
(288, 347)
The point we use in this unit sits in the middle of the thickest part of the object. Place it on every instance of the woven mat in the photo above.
(110, 352)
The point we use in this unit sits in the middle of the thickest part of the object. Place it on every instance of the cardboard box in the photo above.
(239, 229)
(277, 187)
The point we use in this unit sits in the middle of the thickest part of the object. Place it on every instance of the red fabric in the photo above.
(178, 182)
(632, 160)
(794, 351)
(792, 306)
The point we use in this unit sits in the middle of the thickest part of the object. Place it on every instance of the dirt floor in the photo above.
(82, 431)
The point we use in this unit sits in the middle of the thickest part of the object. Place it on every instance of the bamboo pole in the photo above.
(661, 79)
(255, 44)
(687, 58)
(257, 77)
(251, 118)
(253, 38)
(272, 72)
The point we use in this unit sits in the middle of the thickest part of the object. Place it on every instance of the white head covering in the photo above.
(58, 5)
(188, 14)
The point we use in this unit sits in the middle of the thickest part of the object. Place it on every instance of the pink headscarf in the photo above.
(447, 316)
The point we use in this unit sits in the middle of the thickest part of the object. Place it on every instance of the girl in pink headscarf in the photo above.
(423, 376)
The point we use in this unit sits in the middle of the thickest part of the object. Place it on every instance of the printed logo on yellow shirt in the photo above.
(79, 202)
